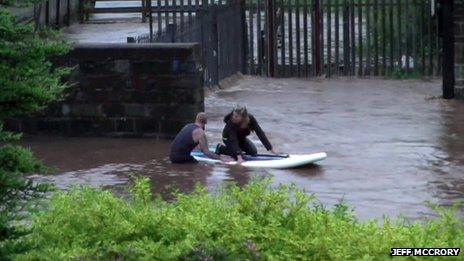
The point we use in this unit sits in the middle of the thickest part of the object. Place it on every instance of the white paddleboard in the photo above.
(269, 161)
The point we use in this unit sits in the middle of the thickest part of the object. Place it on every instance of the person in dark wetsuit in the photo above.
(240, 124)
(188, 138)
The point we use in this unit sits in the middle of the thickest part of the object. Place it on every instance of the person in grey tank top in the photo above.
(189, 137)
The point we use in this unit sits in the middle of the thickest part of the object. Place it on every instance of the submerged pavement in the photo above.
(108, 28)
(391, 145)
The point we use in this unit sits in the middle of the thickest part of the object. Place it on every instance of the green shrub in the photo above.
(18, 195)
(253, 223)
(28, 82)
(18, 159)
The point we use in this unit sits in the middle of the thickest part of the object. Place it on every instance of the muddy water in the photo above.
(392, 145)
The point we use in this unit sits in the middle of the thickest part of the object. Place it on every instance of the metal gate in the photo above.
(217, 26)
(304, 38)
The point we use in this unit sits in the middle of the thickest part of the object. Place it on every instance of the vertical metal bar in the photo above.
(346, 49)
(398, 8)
(236, 20)
(223, 50)
(421, 35)
(150, 19)
(430, 37)
(368, 38)
(251, 51)
(282, 37)
(86, 11)
(264, 35)
(376, 38)
(390, 20)
(158, 16)
(297, 32)
(174, 13)
(259, 36)
(290, 37)
(68, 12)
(329, 38)
(200, 17)
(406, 34)
(144, 4)
(214, 41)
(414, 35)
(384, 40)
(337, 37)
(166, 13)
(47, 12)
(57, 13)
(317, 37)
(181, 20)
(448, 49)
(360, 40)
(437, 44)
(313, 39)
(271, 38)
(81, 11)
(353, 40)
(305, 37)
(244, 36)
(189, 4)
(321, 35)
(181, 14)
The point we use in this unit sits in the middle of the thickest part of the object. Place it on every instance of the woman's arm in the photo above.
(254, 126)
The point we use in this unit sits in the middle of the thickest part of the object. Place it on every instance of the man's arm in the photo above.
(203, 142)
(261, 135)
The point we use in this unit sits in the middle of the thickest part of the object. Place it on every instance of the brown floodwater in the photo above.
(392, 145)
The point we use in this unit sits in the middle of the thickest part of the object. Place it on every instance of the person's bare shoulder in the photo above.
(197, 133)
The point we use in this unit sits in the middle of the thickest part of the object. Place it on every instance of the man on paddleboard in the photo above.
(191, 135)
(240, 124)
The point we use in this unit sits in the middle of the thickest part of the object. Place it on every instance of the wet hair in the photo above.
(201, 118)
(240, 111)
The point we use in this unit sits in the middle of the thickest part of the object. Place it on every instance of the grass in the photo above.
(249, 223)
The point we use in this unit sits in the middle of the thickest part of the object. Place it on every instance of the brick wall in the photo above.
(124, 90)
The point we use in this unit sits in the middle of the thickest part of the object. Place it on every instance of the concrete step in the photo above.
(106, 10)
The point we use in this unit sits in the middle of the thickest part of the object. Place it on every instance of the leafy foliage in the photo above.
(251, 223)
(27, 81)
(17, 194)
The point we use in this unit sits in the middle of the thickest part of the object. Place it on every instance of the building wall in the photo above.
(124, 90)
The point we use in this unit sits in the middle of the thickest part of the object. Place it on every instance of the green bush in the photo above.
(18, 159)
(18, 195)
(28, 80)
(253, 223)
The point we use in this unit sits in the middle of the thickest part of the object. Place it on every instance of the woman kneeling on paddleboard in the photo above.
(240, 124)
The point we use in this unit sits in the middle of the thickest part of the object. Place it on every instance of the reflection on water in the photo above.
(391, 145)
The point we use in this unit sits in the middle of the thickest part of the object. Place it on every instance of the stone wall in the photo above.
(125, 90)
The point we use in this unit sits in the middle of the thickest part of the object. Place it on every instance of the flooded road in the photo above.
(391, 145)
